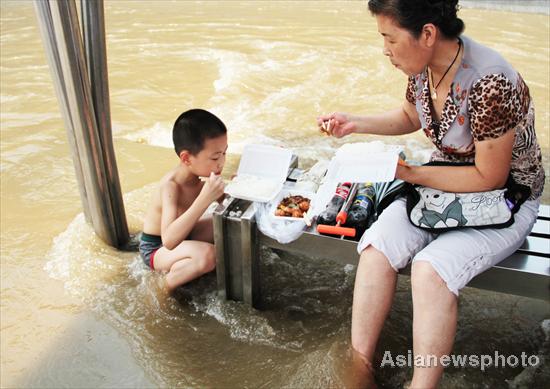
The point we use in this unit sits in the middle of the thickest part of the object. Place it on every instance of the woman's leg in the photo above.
(387, 246)
(442, 269)
(372, 298)
(434, 323)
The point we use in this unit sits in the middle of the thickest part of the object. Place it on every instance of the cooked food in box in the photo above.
(293, 206)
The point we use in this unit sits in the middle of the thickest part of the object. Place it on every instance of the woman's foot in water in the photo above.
(361, 374)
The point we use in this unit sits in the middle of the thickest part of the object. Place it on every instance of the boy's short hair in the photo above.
(193, 127)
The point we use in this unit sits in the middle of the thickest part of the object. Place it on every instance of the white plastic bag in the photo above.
(283, 231)
(287, 229)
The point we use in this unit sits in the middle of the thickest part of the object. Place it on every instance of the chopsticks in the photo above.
(204, 179)
(325, 127)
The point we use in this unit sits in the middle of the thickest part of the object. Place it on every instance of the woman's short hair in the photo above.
(412, 15)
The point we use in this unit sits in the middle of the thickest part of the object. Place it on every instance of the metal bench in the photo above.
(237, 240)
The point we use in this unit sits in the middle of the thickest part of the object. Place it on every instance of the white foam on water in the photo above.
(238, 147)
(23, 120)
(232, 65)
(18, 154)
(266, 46)
(160, 134)
(7, 98)
(527, 6)
(244, 323)
(57, 266)
(240, 78)
(315, 369)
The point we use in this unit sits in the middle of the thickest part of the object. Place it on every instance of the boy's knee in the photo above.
(208, 261)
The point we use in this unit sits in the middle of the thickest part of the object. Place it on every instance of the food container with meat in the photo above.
(291, 204)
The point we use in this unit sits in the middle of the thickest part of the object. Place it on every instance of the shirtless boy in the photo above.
(177, 237)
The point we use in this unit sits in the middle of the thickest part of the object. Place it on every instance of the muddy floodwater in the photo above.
(77, 313)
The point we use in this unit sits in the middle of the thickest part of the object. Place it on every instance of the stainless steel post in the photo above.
(93, 26)
(250, 259)
(45, 22)
(58, 21)
(219, 240)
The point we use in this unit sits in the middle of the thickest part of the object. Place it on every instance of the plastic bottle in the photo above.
(328, 216)
(362, 208)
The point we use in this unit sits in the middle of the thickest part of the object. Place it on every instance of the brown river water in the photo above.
(77, 313)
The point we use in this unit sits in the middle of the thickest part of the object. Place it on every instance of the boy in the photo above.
(177, 238)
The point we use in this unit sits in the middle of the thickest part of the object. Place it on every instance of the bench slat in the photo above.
(511, 281)
(321, 243)
(536, 245)
(312, 243)
(544, 212)
(541, 228)
(526, 263)
(317, 246)
(345, 251)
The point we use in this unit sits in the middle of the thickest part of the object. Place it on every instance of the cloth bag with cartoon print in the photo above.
(437, 211)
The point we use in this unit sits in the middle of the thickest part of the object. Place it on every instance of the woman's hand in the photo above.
(403, 170)
(337, 124)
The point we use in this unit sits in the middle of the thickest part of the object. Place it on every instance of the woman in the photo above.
(475, 108)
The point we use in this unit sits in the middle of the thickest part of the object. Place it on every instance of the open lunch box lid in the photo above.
(364, 162)
(261, 174)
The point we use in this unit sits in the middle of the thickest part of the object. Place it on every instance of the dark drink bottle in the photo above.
(362, 208)
(328, 216)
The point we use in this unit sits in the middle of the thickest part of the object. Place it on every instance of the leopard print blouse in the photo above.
(487, 99)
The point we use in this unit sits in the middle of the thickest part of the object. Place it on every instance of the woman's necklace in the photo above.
(434, 89)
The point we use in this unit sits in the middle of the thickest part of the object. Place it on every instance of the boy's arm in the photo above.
(174, 228)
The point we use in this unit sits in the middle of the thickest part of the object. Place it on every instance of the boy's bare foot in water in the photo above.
(162, 286)
(157, 290)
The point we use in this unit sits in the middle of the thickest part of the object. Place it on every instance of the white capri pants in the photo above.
(457, 256)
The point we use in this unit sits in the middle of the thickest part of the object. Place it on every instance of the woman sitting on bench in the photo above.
(474, 107)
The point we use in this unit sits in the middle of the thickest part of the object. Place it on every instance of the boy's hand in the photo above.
(213, 188)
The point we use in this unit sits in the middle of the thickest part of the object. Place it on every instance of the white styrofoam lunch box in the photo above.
(364, 162)
(261, 174)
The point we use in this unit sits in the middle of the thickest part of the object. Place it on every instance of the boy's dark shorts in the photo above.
(148, 246)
